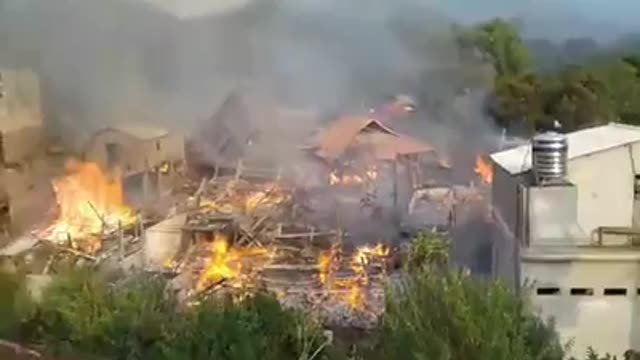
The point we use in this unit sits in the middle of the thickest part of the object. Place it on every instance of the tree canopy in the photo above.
(587, 85)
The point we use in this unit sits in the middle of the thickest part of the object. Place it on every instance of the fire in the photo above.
(225, 264)
(90, 203)
(270, 196)
(358, 263)
(338, 178)
(484, 170)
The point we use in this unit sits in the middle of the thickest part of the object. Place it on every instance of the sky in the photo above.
(556, 19)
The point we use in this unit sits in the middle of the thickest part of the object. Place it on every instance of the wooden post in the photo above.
(216, 169)
(396, 215)
(312, 235)
(121, 240)
(238, 170)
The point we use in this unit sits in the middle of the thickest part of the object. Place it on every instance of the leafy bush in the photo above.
(440, 314)
(428, 251)
(138, 319)
(256, 328)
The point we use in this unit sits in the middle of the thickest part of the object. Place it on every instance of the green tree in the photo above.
(501, 42)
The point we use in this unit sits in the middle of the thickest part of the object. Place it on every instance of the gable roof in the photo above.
(140, 131)
(382, 141)
(581, 143)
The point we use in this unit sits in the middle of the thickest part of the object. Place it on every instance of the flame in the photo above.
(164, 168)
(358, 263)
(484, 170)
(226, 264)
(245, 201)
(89, 204)
(337, 178)
(444, 163)
(268, 197)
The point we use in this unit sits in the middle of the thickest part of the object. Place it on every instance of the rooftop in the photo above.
(140, 130)
(365, 133)
(581, 143)
(584, 252)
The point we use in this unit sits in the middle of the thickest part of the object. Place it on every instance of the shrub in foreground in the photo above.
(437, 313)
(139, 319)
(453, 317)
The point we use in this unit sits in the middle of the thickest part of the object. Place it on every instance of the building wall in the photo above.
(609, 323)
(21, 94)
(20, 115)
(605, 182)
(133, 152)
(28, 191)
(167, 148)
(504, 195)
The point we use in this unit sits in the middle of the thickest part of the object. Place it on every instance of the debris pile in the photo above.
(244, 236)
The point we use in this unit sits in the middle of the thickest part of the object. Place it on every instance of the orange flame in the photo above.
(484, 170)
(337, 178)
(226, 264)
(270, 196)
(89, 203)
(361, 258)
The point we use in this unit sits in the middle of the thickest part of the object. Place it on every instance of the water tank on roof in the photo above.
(549, 157)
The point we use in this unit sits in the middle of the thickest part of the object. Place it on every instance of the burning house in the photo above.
(147, 157)
(352, 147)
(566, 211)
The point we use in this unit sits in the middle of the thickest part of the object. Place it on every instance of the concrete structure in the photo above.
(163, 241)
(147, 157)
(21, 147)
(574, 243)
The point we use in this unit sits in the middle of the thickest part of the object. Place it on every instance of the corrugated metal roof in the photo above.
(583, 142)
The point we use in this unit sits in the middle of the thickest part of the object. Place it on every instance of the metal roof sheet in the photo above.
(581, 143)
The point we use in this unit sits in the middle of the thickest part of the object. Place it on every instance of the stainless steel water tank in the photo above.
(549, 157)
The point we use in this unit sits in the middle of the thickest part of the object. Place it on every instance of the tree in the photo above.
(519, 102)
(501, 42)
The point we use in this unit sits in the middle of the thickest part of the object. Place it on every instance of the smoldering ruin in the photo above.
(261, 145)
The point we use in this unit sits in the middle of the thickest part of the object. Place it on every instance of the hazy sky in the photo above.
(554, 18)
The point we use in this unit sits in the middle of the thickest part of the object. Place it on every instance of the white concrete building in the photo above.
(574, 242)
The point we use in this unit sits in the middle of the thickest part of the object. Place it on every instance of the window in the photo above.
(548, 291)
(114, 154)
(636, 187)
(615, 292)
(582, 292)
(157, 145)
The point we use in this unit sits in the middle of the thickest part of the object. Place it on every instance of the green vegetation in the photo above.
(447, 315)
(603, 86)
(81, 313)
(434, 313)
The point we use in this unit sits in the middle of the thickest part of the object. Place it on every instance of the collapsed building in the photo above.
(249, 133)
(566, 213)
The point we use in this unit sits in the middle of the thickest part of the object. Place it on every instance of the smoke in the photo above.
(118, 60)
